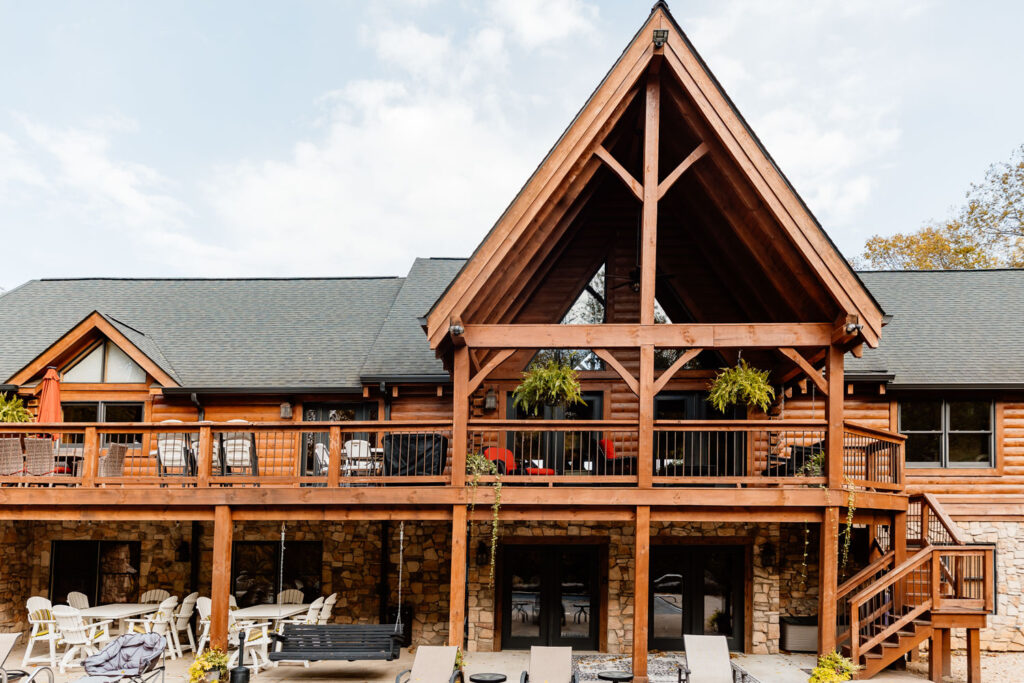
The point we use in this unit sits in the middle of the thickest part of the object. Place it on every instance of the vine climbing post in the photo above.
(828, 577)
(221, 584)
(457, 595)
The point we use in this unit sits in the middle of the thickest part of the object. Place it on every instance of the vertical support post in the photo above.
(221, 584)
(457, 595)
(645, 426)
(91, 457)
(641, 585)
(333, 457)
(899, 537)
(936, 657)
(204, 465)
(828, 573)
(834, 417)
(460, 415)
(947, 655)
(649, 216)
(973, 655)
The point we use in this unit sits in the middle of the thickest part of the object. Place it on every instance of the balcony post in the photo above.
(645, 431)
(460, 414)
(91, 457)
(828, 573)
(221, 583)
(457, 594)
(204, 464)
(334, 457)
(641, 585)
(834, 417)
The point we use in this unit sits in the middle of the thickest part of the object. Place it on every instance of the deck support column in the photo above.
(457, 595)
(834, 417)
(221, 584)
(645, 440)
(641, 583)
(973, 655)
(460, 414)
(828, 573)
(937, 655)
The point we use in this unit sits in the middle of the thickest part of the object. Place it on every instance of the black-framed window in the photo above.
(104, 411)
(257, 573)
(955, 433)
(105, 571)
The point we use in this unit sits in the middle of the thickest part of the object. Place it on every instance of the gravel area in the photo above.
(1003, 667)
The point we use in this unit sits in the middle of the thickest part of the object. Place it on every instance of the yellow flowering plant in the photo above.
(206, 663)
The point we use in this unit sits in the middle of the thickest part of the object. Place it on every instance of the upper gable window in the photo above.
(589, 308)
(104, 363)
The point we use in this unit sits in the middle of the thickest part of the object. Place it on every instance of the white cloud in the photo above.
(541, 22)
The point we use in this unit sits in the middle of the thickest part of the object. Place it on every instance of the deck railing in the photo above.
(374, 453)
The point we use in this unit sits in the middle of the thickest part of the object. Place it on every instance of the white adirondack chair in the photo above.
(160, 622)
(81, 639)
(327, 611)
(78, 600)
(43, 629)
(183, 623)
(257, 643)
(203, 606)
(290, 596)
(157, 595)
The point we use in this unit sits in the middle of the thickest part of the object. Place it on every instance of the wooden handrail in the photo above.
(873, 568)
(910, 564)
(865, 430)
(940, 514)
(122, 427)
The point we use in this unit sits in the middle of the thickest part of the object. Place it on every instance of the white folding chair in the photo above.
(81, 639)
(156, 595)
(78, 600)
(290, 596)
(327, 611)
(183, 623)
(43, 629)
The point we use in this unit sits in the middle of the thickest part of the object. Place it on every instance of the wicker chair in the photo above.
(40, 456)
(112, 464)
(12, 462)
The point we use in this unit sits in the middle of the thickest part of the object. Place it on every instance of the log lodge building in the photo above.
(878, 499)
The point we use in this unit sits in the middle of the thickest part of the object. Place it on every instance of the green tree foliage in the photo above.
(986, 232)
(13, 410)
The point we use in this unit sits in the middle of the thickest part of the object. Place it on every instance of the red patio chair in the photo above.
(503, 457)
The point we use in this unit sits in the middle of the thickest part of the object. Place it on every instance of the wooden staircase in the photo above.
(887, 610)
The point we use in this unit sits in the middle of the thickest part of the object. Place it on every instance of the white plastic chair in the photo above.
(172, 450)
(43, 629)
(183, 623)
(203, 608)
(311, 617)
(323, 458)
(157, 595)
(290, 596)
(81, 639)
(257, 643)
(358, 458)
(238, 450)
(160, 622)
(327, 611)
(78, 600)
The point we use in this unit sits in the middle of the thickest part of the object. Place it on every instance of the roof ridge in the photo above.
(1002, 269)
(210, 279)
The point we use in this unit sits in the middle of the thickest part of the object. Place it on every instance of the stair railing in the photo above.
(854, 585)
(928, 523)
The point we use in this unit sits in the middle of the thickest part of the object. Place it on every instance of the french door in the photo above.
(696, 590)
(549, 596)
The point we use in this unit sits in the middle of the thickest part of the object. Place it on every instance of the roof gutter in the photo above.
(8, 388)
(408, 379)
(206, 391)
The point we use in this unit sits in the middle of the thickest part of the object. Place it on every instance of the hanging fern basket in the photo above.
(551, 383)
(741, 384)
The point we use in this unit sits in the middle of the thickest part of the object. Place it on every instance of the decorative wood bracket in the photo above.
(627, 177)
(478, 379)
(814, 375)
(678, 365)
(670, 180)
(629, 379)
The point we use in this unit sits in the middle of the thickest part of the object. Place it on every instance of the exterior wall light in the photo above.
(456, 329)
(491, 400)
(660, 36)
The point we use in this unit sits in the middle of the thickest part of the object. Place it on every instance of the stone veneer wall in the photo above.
(620, 539)
(1005, 630)
(798, 584)
(15, 574)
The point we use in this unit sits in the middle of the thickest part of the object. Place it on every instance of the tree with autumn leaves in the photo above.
(986, 232)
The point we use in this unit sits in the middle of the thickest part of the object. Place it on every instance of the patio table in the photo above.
(120, 611)
(268, 612)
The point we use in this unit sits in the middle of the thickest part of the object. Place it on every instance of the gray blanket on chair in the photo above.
(128, 655)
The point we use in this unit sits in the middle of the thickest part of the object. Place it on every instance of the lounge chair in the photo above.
(7, 642)
(432, 664)
(707, 661)
(549, 665)
(40, 456)
(112, 464)
(133, 657)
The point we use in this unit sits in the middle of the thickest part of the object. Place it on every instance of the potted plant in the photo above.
(212, 665)
(549, 383)
(741, 384)
(833, 668)
(12, 409)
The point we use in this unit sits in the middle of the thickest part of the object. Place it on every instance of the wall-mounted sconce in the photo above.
(491, 400)
(286, 411)
(660, 36)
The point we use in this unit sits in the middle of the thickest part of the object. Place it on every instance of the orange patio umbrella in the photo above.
(49, 397)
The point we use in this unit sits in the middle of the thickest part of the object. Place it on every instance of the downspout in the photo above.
(200, 411)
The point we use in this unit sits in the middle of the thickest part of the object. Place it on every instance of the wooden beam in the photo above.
(91, 457)
(649, 214)
(679, 170)
(460, 415)
(500, 357)
(828, 578)
(668, 374)
(809, 369)
(835, 433)
(627, 377)
(221, 584)
(204, 463)
(334, 456)
(645, 434)
(973, 655)
(641, 586)
(617, 335)
(632, 183)
(457, 594)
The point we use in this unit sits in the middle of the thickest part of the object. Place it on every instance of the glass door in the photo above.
(696, 590)
(550, 596)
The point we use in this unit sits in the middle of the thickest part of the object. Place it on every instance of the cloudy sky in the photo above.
(344, 138)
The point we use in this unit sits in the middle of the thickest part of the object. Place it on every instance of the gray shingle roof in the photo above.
(311, 333)
(948, 327)
(401, 347)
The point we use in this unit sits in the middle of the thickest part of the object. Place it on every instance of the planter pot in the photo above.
(212, 676)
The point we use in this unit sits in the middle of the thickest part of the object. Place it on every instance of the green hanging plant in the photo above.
(478, 465)
(551, 383)
(12, 409)
(833, 668)
(741, 383)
